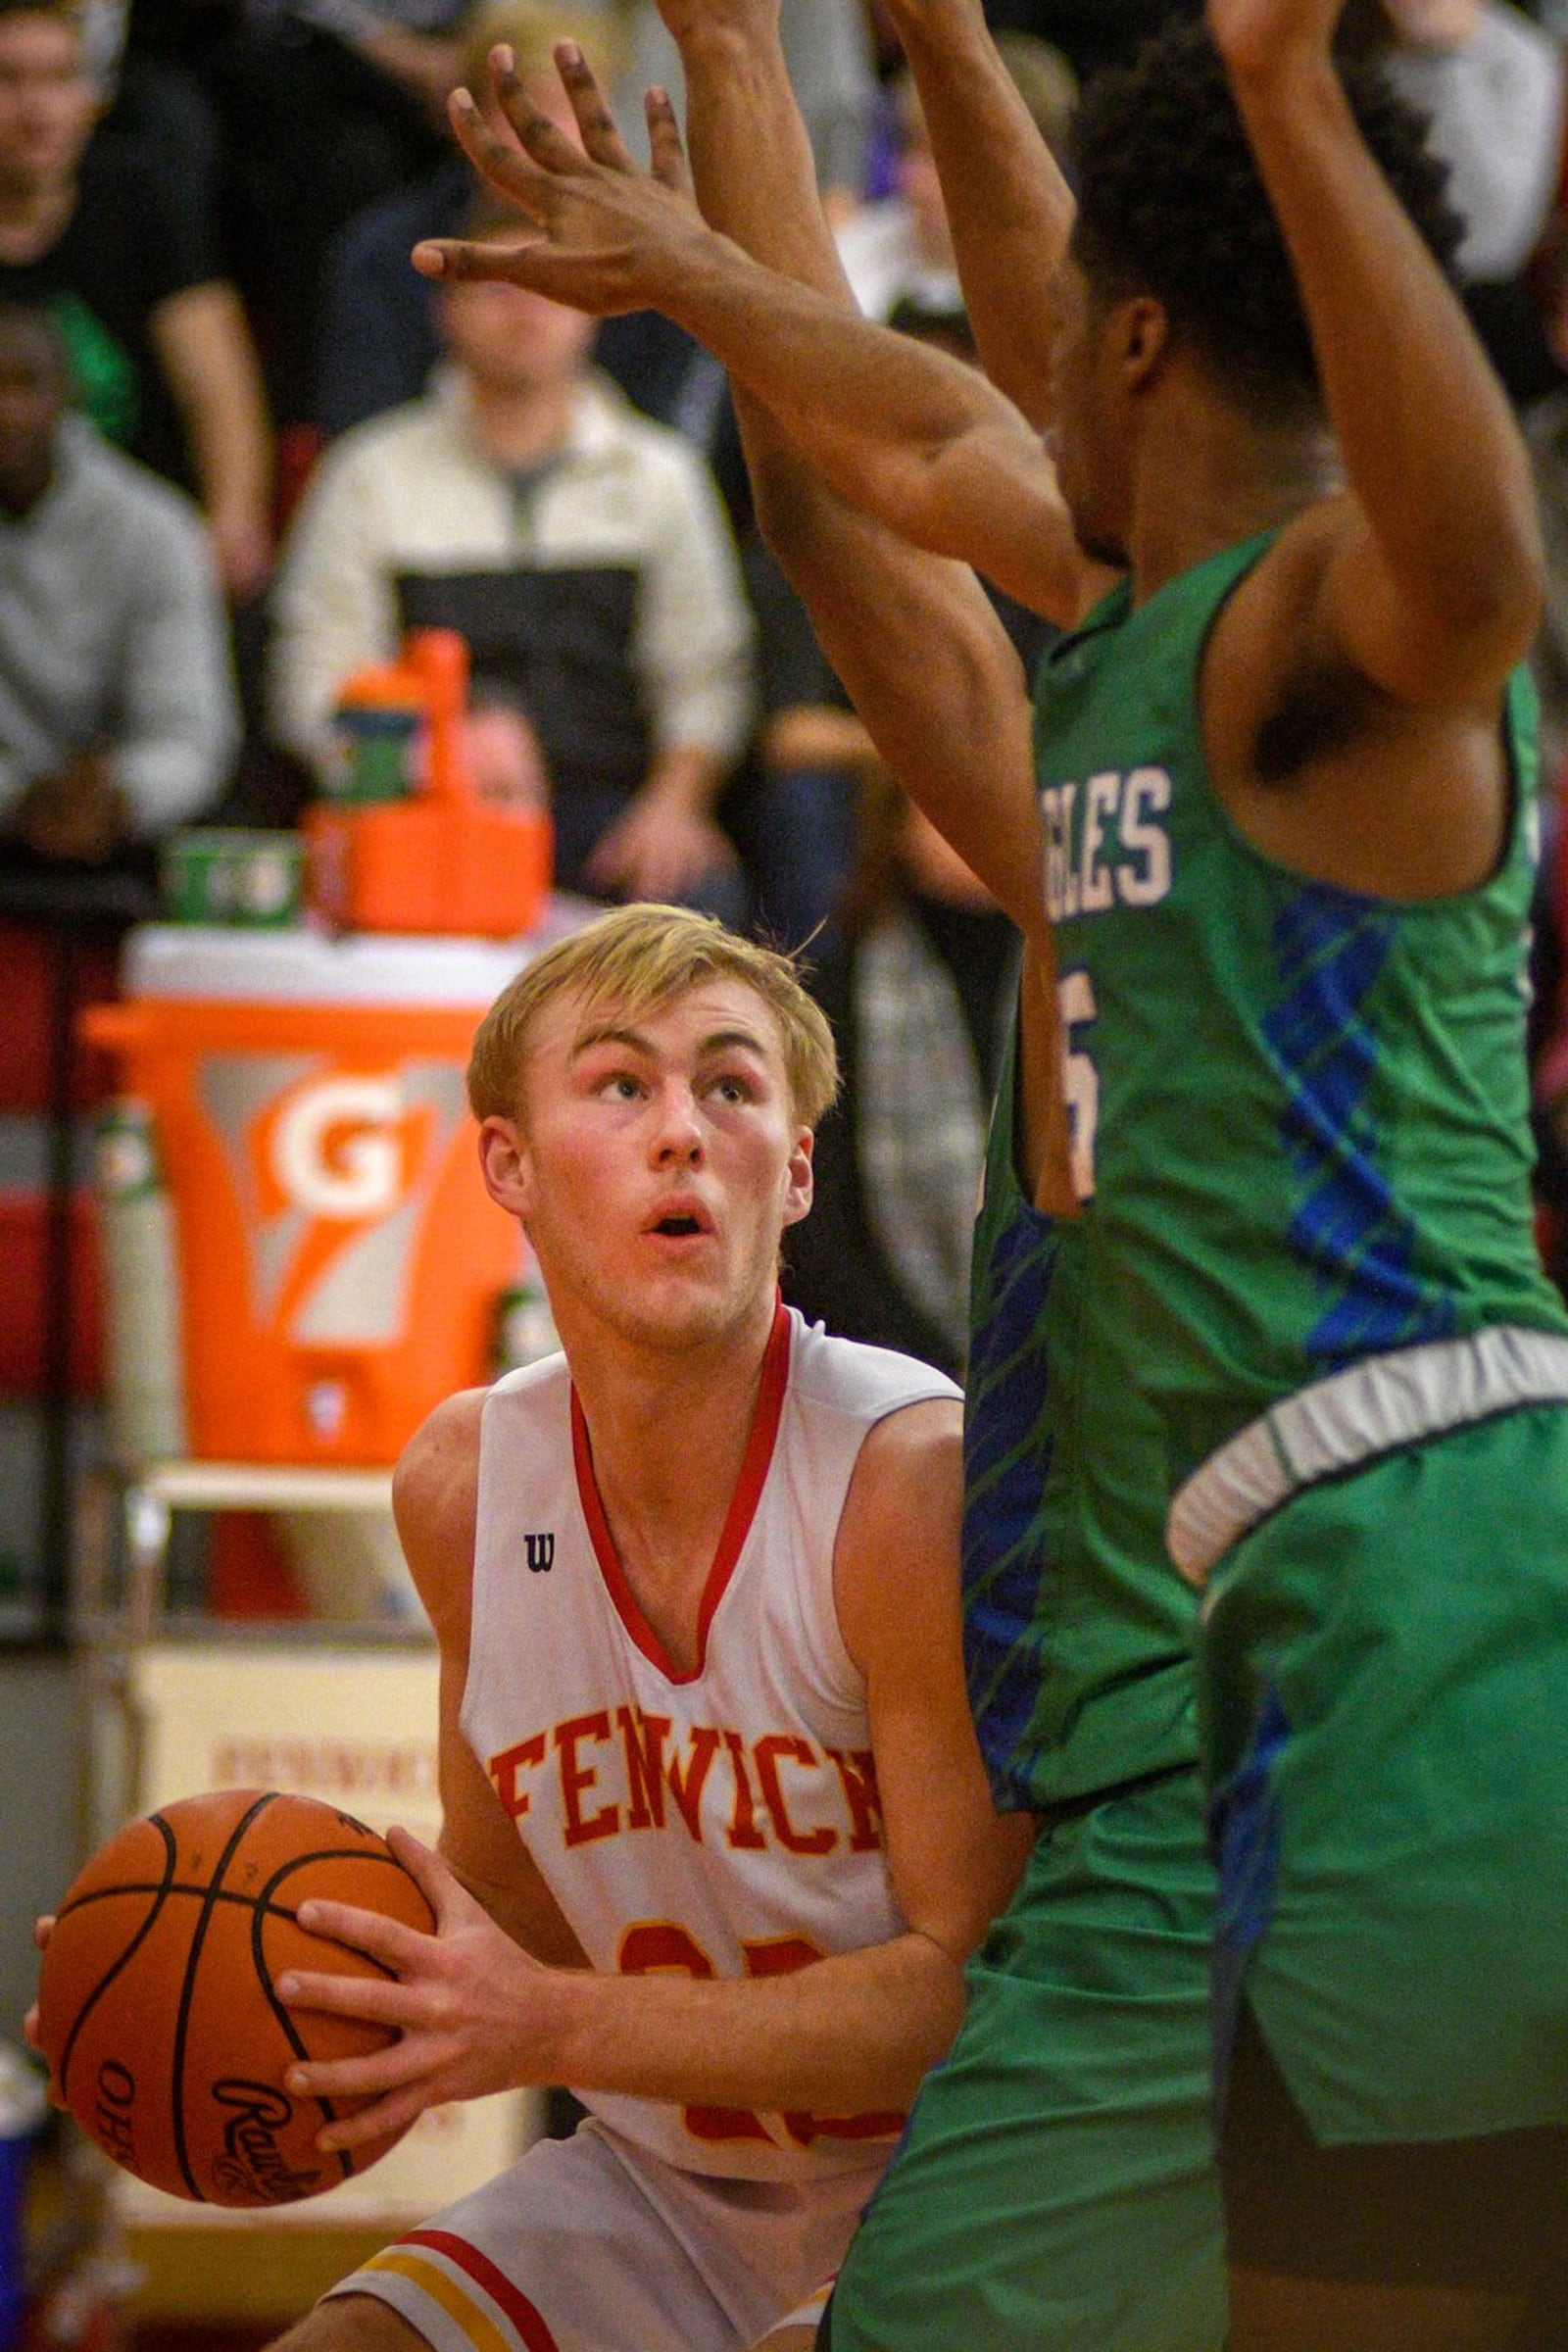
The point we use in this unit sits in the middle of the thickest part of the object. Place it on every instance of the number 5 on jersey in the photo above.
(1080, 1079)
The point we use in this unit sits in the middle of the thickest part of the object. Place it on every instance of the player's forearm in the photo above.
(913, 640)
(930, 671)
(1008, 208)
(751, 167)
(850, 2035)
(884, 420)
(1429, 443)
(750, 156)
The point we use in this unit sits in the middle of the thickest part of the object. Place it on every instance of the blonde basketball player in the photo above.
(716, 1837)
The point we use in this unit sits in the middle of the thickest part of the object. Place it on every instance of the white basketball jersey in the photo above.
(720, 1823)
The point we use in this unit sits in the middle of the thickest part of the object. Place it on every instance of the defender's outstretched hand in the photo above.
(609, 237)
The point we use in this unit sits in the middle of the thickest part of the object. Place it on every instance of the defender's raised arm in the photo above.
(1434, 588)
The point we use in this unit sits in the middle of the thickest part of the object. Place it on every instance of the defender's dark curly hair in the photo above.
(1170, 204)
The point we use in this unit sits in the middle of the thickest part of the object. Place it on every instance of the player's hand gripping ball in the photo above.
(156, 2004)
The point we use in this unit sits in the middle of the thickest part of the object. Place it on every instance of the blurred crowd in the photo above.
(244, 449)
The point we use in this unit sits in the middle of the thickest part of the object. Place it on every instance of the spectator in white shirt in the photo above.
(582, 552)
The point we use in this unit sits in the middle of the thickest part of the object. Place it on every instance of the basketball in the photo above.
(156, 2004)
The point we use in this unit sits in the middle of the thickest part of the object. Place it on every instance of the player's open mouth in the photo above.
(680, 1223)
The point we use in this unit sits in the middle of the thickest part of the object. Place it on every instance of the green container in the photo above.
(376, 752)
(233, 874)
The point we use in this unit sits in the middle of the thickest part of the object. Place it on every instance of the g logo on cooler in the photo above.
(341, 1177)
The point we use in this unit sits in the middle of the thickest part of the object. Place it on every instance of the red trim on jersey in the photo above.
(496, 2284)
(754, 1466)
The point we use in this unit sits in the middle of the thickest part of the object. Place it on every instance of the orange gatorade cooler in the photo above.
(339, 1260)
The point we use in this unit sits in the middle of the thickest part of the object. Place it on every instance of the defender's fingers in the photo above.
(560, 276)
(600, 133)
(453, 257)
(666, 152)
(499, 160)
(544, 141)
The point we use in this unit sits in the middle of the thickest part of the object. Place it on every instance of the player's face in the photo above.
(47, 102)
(1083, 434)
(659, 1163)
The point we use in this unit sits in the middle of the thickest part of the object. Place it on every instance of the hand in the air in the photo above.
(608, 236)
(467, 2002)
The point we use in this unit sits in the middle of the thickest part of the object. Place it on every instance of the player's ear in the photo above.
(506, 1164)
(799, 1178)
(1139, 333)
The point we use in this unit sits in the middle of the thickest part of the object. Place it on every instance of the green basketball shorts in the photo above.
(1385, 1705)
(1056, 2191)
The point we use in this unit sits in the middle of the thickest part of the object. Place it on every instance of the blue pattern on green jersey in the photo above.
(1333, 946)
(1006, 1458)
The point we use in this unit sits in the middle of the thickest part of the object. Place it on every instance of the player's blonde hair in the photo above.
(638, 957)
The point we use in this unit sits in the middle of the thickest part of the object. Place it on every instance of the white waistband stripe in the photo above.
(1351, 1418)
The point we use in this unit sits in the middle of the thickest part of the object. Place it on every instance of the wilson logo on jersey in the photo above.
(1103, 845)
(541, 1552)
(610, 1778)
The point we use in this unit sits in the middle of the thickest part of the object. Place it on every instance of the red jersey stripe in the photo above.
(496, 2284)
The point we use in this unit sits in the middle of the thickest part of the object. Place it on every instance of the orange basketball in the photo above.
(156, 2003)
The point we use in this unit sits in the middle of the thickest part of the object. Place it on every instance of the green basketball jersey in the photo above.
(1300, 1136)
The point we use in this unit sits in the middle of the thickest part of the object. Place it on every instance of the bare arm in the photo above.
(1008, 208)
(1432, 584)
(849, 2033)
(434, 1496)
(916, 641)
(204, 347)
